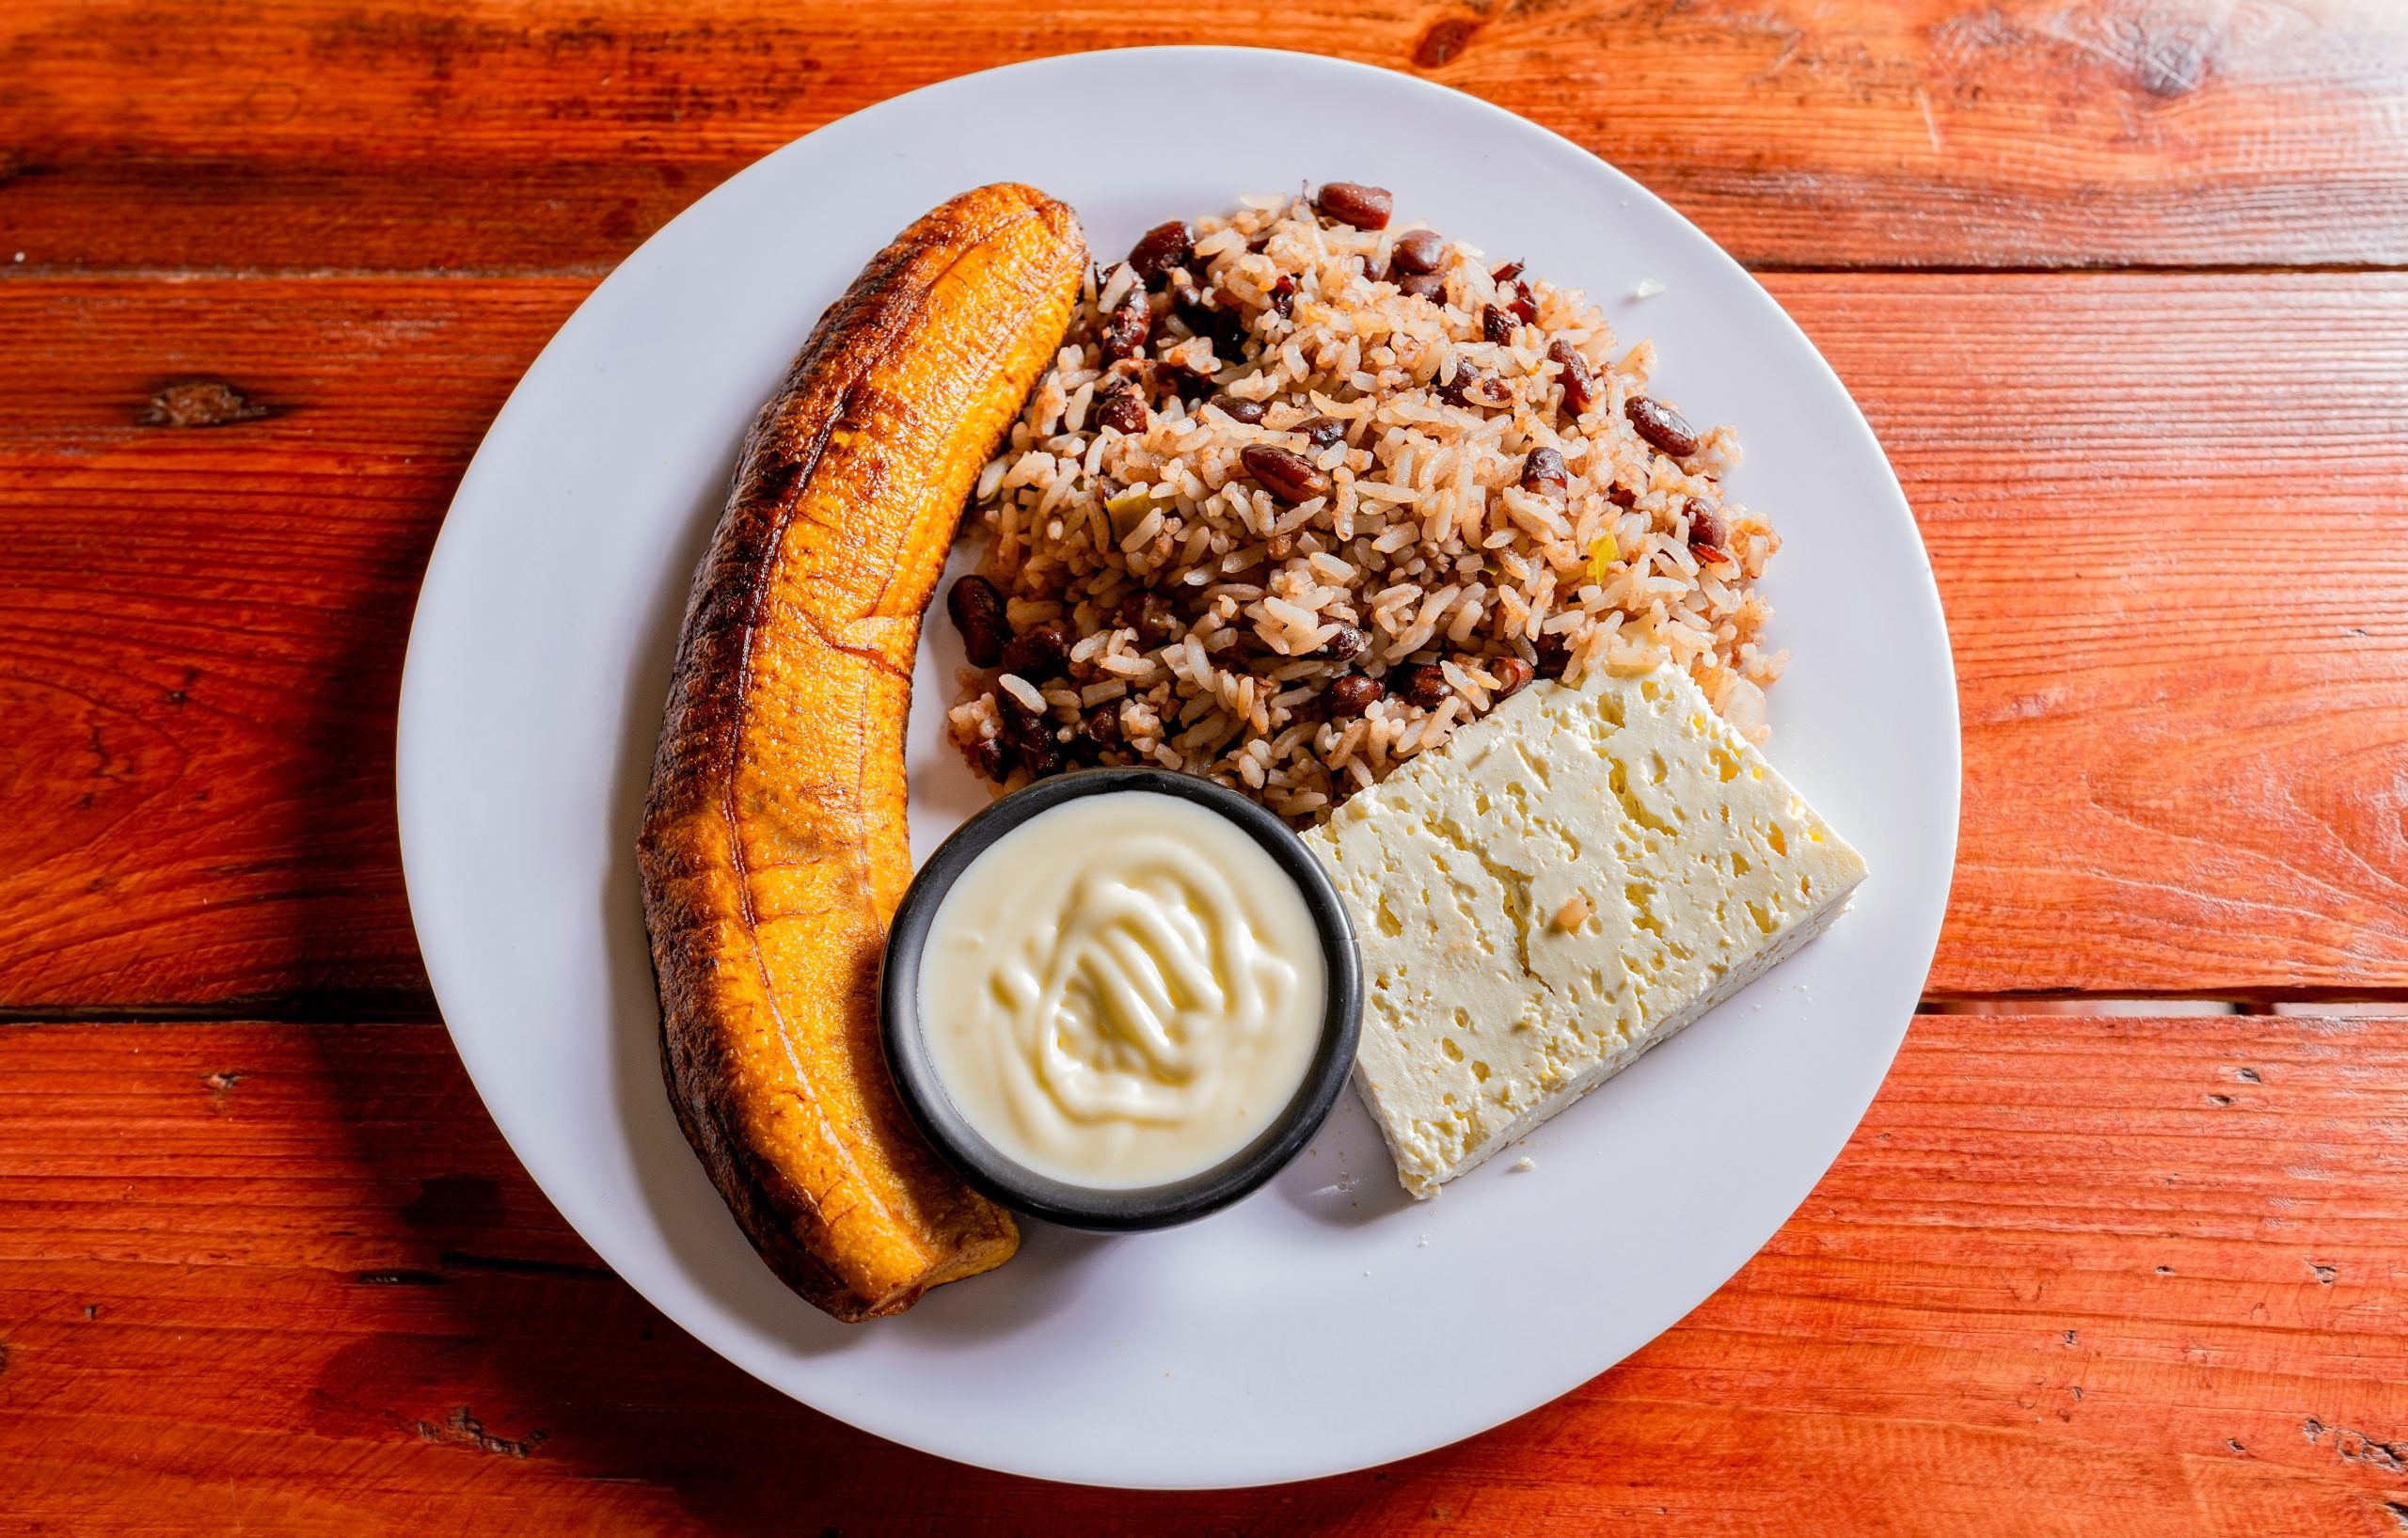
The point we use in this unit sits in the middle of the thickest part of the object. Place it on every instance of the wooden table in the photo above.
(2123, 286)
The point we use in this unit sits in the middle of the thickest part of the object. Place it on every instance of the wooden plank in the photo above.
(490, 134)
(2072, 1276)
(2168, 516)
(202, 629)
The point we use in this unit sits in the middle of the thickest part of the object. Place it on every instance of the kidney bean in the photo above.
(1351, 202)
(1171, 379)
(1579, 385)
(1283, 294)
(1211, 314)
(1544, 473)
(1506, 274)
(1187, 303)
(1430, 286)
(1524, 308)
(978, 612)
(1344, 642)
(1149, 615)
(1120, 410)
(1160, 249)
(1421, 685)
(1418, 253)
(1495, 324)
(1705, 524)
(1554, 655)
(991, 756)
(1622, 496)
(1511, 673)
(1320, 432)
(1469, 388)
(1103, 725)
(1249, 412)
(1037, 652)
(1033, 741)
(1352, 696)
(1125, 329)
(1660, 425)
(1285, 474)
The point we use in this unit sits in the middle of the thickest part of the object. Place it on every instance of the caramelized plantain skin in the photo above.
(773, 850)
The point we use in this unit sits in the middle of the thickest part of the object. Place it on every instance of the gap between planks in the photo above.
(27, 270)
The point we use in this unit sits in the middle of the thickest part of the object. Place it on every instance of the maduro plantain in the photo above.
(773, 849)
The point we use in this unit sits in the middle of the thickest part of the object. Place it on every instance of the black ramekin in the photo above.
(1024, 1190)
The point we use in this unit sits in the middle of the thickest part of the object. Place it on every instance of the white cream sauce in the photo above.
(1125, 990)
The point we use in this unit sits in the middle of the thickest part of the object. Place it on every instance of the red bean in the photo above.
(1032, 740)
(1421, 685)
(1283, 294)
(1420, 252)
(1352, 696)
(1120, 410)
(1511, 673)
(1285, 474)
(1160, 249)
(991, 756)
(1037, 652)
(1544, 473)
(1554, 655)
(1506, 274)
(1705, 524)
(977, 610)
(1430, 286)
(1172, 379)
(1149, 615)
(1126, 327)
(1495, 324)
(1660, 425)
(1249, 412)
(1344, 642)
(1320, 432)
(1103, 725)
(1220, 320)
(1470, 388)
(1579, 385)
(1524, 308)
(1187, 303)
(1351, 202)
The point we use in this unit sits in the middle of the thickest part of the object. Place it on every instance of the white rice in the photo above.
(1424, 544)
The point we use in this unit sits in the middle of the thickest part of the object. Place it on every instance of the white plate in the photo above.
(1327, 1322)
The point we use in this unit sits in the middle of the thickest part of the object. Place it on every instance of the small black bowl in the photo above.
(1015, 1185)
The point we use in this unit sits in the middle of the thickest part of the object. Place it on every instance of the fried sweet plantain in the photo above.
(773, 849)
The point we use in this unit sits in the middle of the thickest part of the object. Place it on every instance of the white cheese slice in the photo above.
(1555, 891)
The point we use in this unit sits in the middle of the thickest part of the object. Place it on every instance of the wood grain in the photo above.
(2072, 1276)
(493, 136)
(2168, 518)
(2170, 523)
(201, 628)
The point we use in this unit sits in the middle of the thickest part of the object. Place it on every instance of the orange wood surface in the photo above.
(487, 135)
(264, 1264)
(2072, 1275)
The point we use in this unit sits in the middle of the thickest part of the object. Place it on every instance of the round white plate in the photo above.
(1328, 1321)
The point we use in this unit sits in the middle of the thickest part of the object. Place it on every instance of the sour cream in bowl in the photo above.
(1120, 999)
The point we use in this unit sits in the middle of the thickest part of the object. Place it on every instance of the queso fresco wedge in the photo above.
(1550, 895)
